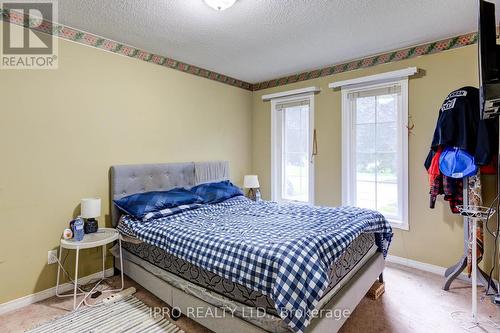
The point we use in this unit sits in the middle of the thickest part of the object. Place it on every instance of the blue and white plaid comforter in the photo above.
(283, 251)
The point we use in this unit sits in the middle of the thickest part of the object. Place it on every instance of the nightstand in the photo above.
(101, 238)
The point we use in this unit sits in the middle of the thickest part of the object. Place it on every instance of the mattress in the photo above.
(353, 254)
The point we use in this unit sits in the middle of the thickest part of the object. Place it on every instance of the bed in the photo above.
(254, 281)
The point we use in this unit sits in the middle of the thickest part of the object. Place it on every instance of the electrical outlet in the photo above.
(52, 256)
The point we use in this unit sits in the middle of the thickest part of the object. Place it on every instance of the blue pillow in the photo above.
(141, 204)
(216, 192)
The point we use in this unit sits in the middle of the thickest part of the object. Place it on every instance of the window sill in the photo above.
(294, 202)
(395, 224)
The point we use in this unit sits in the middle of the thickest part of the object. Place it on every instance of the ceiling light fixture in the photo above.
(220, 4)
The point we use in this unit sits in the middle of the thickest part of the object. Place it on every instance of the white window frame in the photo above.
(348, 137)
(277, 153)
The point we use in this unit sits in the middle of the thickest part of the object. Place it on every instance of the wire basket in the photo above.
(476, 212)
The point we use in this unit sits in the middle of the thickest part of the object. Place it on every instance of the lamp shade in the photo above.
(251, 181)
(90, 208)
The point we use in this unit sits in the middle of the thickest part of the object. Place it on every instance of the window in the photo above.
(375, 149)
(292, 161)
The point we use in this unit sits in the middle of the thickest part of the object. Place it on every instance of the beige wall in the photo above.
(61, 130)
(435, 236)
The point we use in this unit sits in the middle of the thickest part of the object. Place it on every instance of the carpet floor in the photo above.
(413, 302)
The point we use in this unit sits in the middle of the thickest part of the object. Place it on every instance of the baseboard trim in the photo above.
(422, 266)
(47, 293)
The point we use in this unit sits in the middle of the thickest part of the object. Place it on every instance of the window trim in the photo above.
(289, 93)
(276, 153)
(347, 153)
(382, 77)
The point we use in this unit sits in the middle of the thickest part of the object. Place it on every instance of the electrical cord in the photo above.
(84, 300)
(81, 288)
(495, 236)
(463, 320)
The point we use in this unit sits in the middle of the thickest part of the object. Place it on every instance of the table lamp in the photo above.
(251, 182)
(90, 210)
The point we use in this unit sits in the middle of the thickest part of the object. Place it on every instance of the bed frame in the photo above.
(129, 179)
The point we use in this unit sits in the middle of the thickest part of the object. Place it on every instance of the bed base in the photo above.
(347, 297)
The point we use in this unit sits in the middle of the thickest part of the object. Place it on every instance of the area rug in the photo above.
(128, 315)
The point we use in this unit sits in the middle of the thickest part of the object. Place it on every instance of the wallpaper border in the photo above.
(384, 58)
(92, 40)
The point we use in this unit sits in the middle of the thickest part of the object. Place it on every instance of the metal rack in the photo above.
(454, 271)
(475, 214)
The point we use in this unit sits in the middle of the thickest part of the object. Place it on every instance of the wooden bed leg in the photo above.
(377, 289)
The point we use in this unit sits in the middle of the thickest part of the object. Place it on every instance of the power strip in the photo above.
(118, 296)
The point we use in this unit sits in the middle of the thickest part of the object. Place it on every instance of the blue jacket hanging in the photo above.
(459, 125)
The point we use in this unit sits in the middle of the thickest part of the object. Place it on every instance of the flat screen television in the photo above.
(489, 61)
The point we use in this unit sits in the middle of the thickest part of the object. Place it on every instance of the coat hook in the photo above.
(411, 125)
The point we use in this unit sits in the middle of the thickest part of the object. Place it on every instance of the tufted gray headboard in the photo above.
(130, 179)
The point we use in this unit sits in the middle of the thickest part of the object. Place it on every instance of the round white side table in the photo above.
(102, 237)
